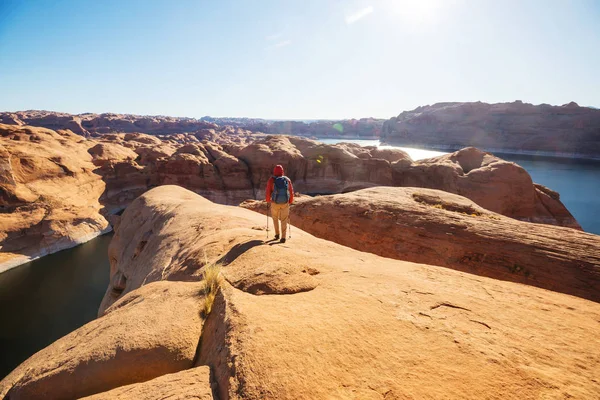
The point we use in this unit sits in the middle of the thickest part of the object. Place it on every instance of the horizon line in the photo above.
(295, 119)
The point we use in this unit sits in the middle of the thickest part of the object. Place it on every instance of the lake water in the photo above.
(47, 298)
(577, 181)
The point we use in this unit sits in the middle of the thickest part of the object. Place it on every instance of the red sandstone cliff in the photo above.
(56, 187)
(93, 124)
(568, 130)
(49, 193)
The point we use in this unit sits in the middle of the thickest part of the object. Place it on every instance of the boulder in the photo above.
(104, 153)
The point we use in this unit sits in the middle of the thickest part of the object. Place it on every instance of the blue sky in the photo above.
(294, 59)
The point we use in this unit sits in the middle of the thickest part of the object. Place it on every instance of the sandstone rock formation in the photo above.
(147, 334)
(86, 124)
(201, 166)
(568, 130)
(495, 184)
(188, 384)
(359, 326)
(438, 228)
(517, 127)
(57, 187)
(364, 128)
(48, 193)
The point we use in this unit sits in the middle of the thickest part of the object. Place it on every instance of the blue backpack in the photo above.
(281, 191)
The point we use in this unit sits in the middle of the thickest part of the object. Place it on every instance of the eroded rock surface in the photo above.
(567, 130)
(372, 327)
(86, 124)
(493, 183)
(48, 193)
(191, 384)
(57, 188)
(146, 334)
(438, 228)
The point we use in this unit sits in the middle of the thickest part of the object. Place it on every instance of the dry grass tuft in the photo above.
(211, 278)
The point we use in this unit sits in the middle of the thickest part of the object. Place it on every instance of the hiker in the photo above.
(280, 194)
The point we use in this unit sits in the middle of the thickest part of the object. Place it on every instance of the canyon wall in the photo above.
(57, 188)
(568, 130)
(49, 193)
(521, 128)
(89, 123)
(94, 124)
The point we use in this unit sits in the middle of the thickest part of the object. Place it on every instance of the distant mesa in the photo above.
(567, 130)
(94, 124)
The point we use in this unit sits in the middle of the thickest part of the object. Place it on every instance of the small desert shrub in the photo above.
(211, 279)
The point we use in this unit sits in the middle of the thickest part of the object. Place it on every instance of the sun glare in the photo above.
(417, 12)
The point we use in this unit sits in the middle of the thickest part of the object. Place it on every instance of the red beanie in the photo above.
(278, 170)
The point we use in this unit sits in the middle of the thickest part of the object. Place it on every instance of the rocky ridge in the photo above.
(438, 228)
(521, 128)
(363, 128)
(58, 188)
(89, 123)
(568, 130)
(94, 124)
(350, 325)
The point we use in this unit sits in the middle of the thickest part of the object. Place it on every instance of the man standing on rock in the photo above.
(280, 194)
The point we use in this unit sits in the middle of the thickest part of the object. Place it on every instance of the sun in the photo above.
(416, 12)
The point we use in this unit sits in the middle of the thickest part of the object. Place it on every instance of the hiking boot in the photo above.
(282, 240)
(276, 236)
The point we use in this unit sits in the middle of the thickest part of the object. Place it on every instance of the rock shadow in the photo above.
(240, 249)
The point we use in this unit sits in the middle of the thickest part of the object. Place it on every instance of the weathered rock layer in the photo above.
(94, 124)
(365, 327)
(86, 124)
(49, 193)
(57, 187)
(438, 228)
(568, 130)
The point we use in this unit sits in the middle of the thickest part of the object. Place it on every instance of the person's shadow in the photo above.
(241, 248)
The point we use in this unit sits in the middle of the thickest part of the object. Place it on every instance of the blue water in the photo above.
(45, 299)
(577, 181)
